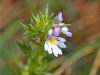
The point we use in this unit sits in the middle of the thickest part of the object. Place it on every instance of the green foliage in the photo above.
(23, 47)
(65, 25)
(36, 32)
(34, 58)
(38, 25)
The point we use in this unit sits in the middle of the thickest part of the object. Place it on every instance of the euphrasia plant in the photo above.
(43, 33)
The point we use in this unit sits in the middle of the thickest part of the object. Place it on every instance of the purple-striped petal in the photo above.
(60, 44)
(65, 31)
(60, 39)
(49, 50)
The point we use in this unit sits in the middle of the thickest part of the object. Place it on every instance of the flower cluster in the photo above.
(53, 40)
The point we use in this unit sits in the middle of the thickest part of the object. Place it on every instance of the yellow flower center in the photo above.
(51, 40)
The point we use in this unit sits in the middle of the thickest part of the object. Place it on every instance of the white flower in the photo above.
(52, 43)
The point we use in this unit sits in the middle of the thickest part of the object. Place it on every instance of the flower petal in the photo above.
(50, 32)
(49, 49)
(60, 39)
(64, 29)
(46, 46)
(60, 44)
(56, 32)
(59, 17)
(56, 50)
(69, 34)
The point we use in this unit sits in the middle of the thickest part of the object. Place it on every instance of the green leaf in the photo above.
(65, 25)
(46, 11)
(24, 26)
(34, 17)
(24, 48)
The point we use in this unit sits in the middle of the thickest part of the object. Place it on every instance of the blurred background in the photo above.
(82, 57)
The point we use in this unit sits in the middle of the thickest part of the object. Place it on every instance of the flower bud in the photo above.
(37, 39)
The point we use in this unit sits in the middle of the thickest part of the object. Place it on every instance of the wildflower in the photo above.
(57, 26)
(52, 43)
